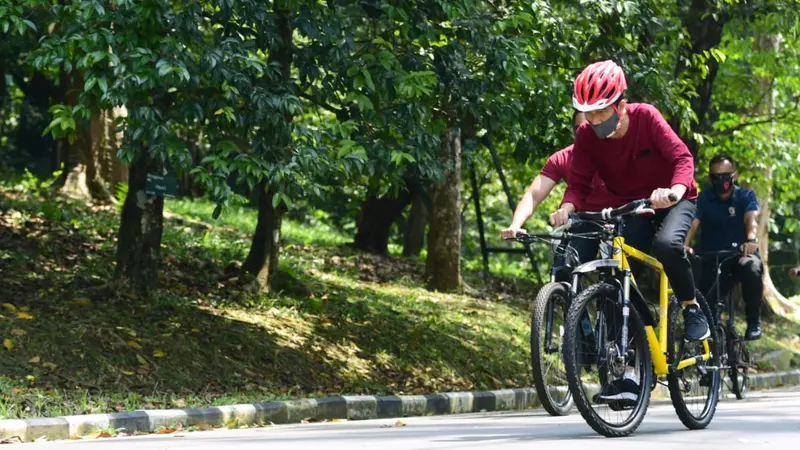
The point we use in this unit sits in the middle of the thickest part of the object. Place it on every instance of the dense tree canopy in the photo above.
(358, 108)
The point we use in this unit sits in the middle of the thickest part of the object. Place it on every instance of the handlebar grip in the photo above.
(673, 198)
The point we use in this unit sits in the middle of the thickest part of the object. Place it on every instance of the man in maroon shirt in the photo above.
(637, 155)
(556, 169)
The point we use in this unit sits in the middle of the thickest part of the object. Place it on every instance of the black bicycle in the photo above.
(548, 319)
(734, 355)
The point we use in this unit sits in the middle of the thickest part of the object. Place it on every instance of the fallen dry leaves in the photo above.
(399, 423)
(170, 430)
(98, 435)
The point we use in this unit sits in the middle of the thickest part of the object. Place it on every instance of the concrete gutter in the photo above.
(295, 411)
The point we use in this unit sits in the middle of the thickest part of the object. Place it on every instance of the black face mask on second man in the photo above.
(722, 183)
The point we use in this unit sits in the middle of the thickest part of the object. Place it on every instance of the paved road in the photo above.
(765, 420)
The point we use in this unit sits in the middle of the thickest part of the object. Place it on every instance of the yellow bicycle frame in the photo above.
(658, 344)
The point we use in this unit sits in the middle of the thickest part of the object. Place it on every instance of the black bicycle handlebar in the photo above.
(717, 253)
(527, 238)
(633, 207)
(636, 206)
(735, 250)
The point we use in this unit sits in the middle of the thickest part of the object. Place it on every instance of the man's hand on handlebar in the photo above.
(663, 198)
(688, 250)
(748, 248)
(511, 232)
(561, 216)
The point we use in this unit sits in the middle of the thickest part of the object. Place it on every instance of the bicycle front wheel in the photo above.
(613, 399)
(547, 362)
(739, 358)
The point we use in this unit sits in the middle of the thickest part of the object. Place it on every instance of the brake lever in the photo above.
(641, 210)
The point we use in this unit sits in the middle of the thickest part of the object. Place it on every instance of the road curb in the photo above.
(318, 409)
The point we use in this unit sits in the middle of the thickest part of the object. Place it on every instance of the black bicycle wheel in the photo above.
(694, 390)
(739, 358)
(547, 362)
(600, 303)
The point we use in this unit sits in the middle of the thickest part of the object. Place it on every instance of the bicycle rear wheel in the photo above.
(547, 362)
(694, 390)
(618, 412)
(739, 358)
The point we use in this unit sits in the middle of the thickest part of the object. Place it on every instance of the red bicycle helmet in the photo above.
(598, 86)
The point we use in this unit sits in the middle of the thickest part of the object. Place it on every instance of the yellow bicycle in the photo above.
(614, 377)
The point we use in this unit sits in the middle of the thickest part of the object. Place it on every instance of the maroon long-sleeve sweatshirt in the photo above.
(648, 157)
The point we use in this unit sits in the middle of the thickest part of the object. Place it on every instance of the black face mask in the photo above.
(604, 129)
(722, 184)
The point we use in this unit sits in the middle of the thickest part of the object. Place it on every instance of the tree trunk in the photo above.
(115, 171)
(375, 224)
(705, 25)
(262, 261)
(83, 174)
(141, 227)
(417, 222)
(83, 177)
(443, 265)
(776, 302)
(40, 92)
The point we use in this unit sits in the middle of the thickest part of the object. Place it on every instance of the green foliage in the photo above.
(755, 101)
(14, 18)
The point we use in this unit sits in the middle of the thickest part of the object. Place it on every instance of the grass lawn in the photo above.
(341, 322)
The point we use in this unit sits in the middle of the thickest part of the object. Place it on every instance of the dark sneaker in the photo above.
(753, 333)
(622, 391)
(694, 324)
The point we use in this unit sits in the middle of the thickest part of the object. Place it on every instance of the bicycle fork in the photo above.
(626, 310)
(585, 322)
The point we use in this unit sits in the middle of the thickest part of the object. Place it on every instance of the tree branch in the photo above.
(742, 125)
(320, 103)
(767, 92)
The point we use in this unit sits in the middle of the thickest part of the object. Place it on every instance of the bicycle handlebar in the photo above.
(717, 253)
(527, 238)
(634, 207)
(718, 256)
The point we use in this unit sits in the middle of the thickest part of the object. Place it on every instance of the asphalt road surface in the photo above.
(765, 420)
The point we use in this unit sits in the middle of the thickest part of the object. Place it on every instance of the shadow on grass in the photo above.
(411, 342)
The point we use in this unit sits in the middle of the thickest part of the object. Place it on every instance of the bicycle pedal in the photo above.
(621, 405)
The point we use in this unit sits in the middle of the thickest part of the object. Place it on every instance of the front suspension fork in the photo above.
(625, 300)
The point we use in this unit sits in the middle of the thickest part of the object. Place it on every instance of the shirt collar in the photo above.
(730, 199)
